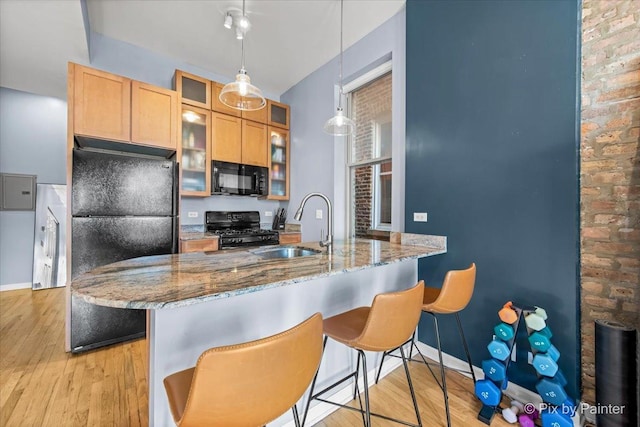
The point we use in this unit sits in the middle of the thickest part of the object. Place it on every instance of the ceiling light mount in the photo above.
(237, 20)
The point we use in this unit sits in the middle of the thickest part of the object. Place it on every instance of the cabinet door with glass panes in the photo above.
(279, 162)
(195, 161)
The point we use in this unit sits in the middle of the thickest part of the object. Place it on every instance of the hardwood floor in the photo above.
(42, 385)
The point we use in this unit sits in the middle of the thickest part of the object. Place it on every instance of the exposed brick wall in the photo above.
(368, 103)
(610, 171)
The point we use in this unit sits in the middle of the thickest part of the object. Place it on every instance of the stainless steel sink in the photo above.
(285, 252)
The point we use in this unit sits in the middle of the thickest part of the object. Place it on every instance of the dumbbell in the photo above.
(546, 331)
(508, 314)
(494, 370)
(541, 312)
(510, 415)
(488, 393)
(553, 352)
(503, 331)
(534, 321)
(499, 350)
(559, 377)
(545, 365)
(551, 391)
(539, 341)
(555, 418)
(528, 420)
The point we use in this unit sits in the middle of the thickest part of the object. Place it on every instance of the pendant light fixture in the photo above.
(340, 124)
(241, 94)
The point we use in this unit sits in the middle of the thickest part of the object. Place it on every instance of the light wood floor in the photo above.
(41, 385)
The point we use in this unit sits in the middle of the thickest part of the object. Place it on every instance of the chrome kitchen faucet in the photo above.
(328, 242)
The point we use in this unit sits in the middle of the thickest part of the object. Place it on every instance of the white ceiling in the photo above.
(288, 39)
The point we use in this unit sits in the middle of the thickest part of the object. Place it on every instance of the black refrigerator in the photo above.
(123, 206)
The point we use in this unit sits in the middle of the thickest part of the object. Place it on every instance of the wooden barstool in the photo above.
(453, 297)
(385, 325)
(250, 384)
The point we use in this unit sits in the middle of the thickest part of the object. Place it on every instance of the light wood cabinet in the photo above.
(259, 116)
(226, 140)
(101, 104)
(193, 90)
(254, 144)
(154, 115)
(287, 238)
(278, 114)
(195, 152)
(200, 245)
(219, 106)
(279, 164)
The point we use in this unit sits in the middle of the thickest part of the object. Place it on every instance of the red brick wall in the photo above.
(367, 103)
(610, 171)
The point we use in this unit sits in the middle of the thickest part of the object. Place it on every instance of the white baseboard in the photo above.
(345, 394)
(14, 286)
(514, 391)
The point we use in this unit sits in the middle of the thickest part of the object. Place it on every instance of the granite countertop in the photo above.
(197, 235)
(166, 281)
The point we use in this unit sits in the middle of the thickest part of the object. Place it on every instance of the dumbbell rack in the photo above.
(487, 412)
(551, 397)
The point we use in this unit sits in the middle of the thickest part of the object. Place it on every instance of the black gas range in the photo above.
(239, 229)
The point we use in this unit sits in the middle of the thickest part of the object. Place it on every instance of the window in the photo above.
(370, 158)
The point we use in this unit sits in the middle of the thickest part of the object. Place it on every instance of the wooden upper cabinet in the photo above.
(154, 115)
(278, 114)
(217, 105)
(226, 140)
(101, 104)
(193, 90)
(259, 116)
(254, 144)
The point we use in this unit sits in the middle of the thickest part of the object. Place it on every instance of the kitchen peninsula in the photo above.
(200, 300)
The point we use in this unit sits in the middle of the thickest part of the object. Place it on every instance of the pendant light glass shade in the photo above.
(241, 94)
(340, 124)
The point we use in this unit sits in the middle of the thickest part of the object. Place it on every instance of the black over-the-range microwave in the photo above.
(243, 180)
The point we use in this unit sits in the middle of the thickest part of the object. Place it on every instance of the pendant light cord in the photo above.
(341, 28)
(242, 70)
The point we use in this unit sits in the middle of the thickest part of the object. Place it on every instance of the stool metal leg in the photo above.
(466, 349)
(367, 408)
(442, 373)
(296, 418)
(313, 383)
(413, 394)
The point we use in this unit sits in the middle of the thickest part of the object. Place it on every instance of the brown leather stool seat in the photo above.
(250, 384)
(385, 325)
(453, 297)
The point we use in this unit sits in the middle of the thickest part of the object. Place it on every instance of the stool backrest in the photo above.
(392, 319)
(456, 292)
(254, 383)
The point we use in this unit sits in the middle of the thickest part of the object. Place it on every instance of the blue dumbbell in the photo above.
(503, 331)
(499, 350)
(545, 365)
(551, 391)
(559, 377)
(546, 331)
(553, 352)
(494, 370)
(555, 418)
(488, 393)
(539, 342)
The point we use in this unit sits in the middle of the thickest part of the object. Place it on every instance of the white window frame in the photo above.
(375, 162)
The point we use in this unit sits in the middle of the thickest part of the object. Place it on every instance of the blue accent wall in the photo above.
(492, 156)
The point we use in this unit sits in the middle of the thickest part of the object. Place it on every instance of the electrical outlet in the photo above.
(419, 217)
(318, 213)
(192, 214)
(513, 353)
(268, 213)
